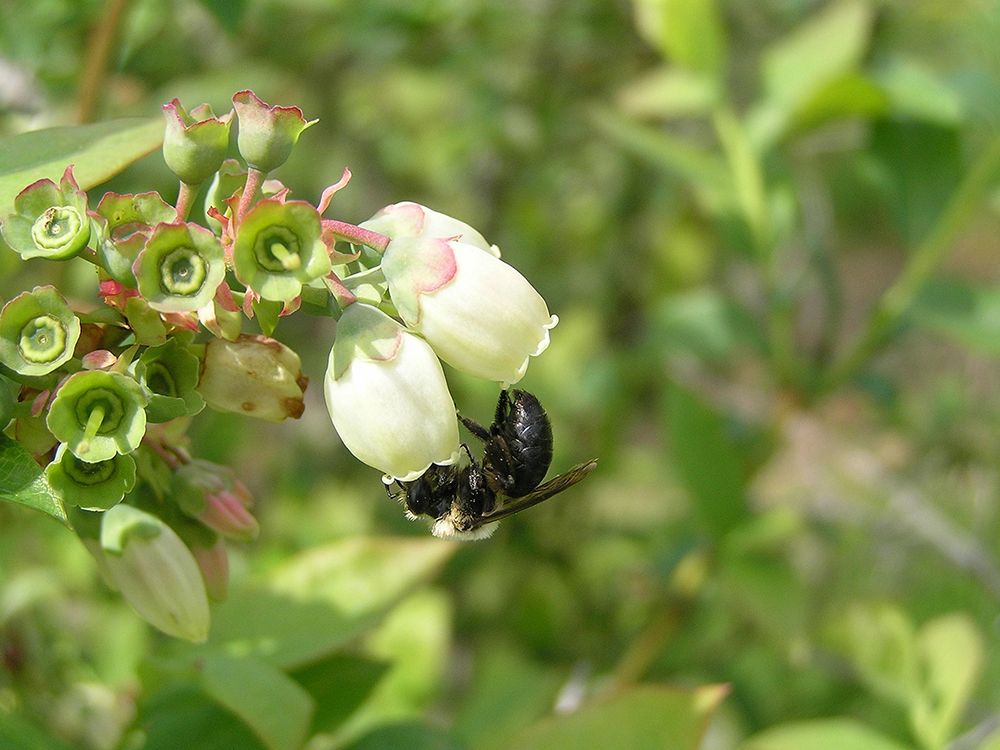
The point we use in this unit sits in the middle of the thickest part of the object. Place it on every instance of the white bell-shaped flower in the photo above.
(478, 313)
(388, 397)
(409, 219)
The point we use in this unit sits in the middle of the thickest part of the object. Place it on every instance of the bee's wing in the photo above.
(540, 494)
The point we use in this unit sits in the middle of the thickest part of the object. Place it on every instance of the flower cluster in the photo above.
(114, 389)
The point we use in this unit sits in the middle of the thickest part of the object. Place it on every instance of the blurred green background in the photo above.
(770, 231)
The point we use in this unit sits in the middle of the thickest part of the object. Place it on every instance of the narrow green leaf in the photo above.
(645, 718)
(22, 481)
(670, 93)
(278, 709)
(707, 461)
(409, 735)
(98, 152)
(822, 734)
(827, 46)
(689, 32)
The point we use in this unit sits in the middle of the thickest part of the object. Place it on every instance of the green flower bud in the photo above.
(155, 572)
(180, 268)
(254, 375)
(49, 221)
(279, 248)
(194, 145)
(98, 414)
(169, 373)
(38, 332)
(128, 220)
(91, 486)
(267, 134)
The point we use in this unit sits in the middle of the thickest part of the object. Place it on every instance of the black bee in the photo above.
(467, 501)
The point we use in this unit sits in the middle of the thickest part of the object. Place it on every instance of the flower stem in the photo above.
(357, 235)
(921, 265)
(255, 178)
(185, 199)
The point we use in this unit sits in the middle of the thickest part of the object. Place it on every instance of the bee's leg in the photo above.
(504, 404)
(465, 447)
(475, 428)
(394, 495)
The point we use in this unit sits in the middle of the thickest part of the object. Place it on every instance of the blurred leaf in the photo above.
(411, 736)
(278, 709)
(881, 644)
(361, 575)
(646, 717)
(18, 734)
(508, 692)
(766, 589)
(98, 152)
(822, 734)
(700, 321)
(338, 685)
(915, 92)
(850, 95)
(925, 165)
(181, 716)
(704, 170)
(707, 460)
(827, 46)
(22, 481)
(966, 314)
(280, 629)
(228, 12)
(670, 93)
(953, 653)
(689, 32)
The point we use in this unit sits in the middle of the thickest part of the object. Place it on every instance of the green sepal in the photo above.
(180, 268)
(364, 331)
(145, 322)
(169, 375)
(195, 143)
(38, 332)
(125, 223)
(121, 523)
(96, 486)
(122, 426)
(267, 134)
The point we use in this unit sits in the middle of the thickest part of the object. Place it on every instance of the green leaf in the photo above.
(822, 734)
(961, 312)
(180, 715)
(412, 736)
(278, 709)
(670, 93)
(98, 152)
(850, 95)
(917, 92)
(924, 163)
(827, 46)
(8, 398)
(22, 481)
(707, 460)
(644, 718)
(338, 685)
(18, 734)
(953, 655)
(689, 32)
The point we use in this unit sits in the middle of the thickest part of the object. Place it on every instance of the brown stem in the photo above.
(96, 62)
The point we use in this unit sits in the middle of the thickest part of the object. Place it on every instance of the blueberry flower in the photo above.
(180, 268)
(387, 395)
(38, 332)
(49, 221)
(91, 486)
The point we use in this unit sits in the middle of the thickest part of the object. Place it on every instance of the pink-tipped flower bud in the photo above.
(212, 494)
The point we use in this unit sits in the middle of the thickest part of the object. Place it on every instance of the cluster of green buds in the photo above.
(109, 391)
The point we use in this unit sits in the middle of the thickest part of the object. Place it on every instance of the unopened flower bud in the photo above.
(387, 395)
(279, 248)
(478, 313)
(91, 486)
(194, 145)
(212, 494)
(213, 562)
(180, 268)
(98, 414)
(38, 332)
(49, 221)
(155, 572)
(408, 219)
(266, 134)
(253, 375)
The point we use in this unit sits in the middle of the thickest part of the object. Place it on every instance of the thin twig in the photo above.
(96, 63)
